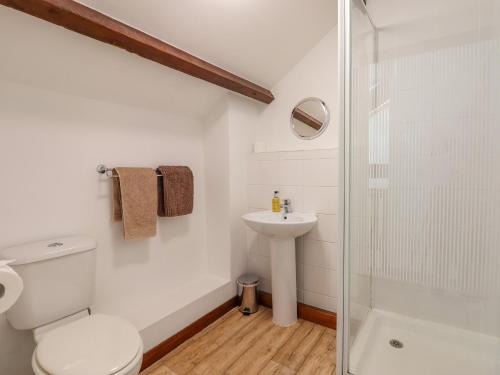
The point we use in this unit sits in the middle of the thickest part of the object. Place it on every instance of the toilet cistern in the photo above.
(59, 281)
(282, 229)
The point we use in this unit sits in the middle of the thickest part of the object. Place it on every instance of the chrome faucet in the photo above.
(286, 208)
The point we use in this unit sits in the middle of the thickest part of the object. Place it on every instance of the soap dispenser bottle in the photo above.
(276, 202)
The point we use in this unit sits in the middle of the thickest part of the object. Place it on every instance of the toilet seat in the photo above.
(98, 344)
(133, 367)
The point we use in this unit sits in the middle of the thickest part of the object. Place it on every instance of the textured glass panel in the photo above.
(425, 191)
(362, 101)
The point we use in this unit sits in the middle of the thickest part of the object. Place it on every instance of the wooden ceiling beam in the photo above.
(87, 21)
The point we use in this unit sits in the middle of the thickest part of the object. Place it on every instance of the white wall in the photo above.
(68, 103)
(40, 54)
(315, 75)
(305, 171)
(76, 104)
(49, 188)
(242, 114)
(228, 141)
(216, 159)
(310, 180)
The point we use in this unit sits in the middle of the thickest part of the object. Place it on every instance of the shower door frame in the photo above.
(344, 120)
(344, 79)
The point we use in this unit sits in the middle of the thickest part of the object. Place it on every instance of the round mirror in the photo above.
(309, 118)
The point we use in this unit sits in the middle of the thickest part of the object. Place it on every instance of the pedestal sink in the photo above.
(282, 231)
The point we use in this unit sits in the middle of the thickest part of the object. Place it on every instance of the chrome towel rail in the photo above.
(102, 169)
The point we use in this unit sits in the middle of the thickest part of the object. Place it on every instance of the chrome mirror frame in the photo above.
(325, 124)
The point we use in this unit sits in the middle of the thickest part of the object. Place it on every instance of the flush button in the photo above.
(55, 244)
(396, 344)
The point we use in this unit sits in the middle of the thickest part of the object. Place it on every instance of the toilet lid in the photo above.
(98, 344)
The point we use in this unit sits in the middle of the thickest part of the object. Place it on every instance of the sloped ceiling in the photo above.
(405, 24)
(257, 39)
(260, 40)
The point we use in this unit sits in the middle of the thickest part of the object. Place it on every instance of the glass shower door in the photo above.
(358, 99)
(421, 249)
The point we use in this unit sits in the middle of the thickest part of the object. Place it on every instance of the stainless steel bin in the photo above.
(247, 293)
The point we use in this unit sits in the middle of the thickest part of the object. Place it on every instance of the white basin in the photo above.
(273, 225)
(282, 231)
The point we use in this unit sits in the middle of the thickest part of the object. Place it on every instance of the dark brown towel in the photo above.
(175, 191)
(135, 201)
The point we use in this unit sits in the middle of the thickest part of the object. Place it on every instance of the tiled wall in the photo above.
(310, 180)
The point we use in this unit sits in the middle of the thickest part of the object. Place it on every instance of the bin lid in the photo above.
(248, 280)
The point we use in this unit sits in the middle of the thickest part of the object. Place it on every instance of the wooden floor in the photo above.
(237, 344)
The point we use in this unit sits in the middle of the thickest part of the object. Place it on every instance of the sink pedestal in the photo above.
(282, 231)
(284, 281)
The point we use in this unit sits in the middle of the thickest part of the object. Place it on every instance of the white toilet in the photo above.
(58, 278)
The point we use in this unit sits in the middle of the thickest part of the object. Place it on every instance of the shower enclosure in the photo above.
(420, 111)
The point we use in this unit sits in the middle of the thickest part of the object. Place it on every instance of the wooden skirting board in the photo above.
(306, 312)
(87, 21)
(165, 347)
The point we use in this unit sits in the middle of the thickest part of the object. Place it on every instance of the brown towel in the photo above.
(175, 191)
(135, 201)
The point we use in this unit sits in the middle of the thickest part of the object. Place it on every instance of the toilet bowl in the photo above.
(59, 281)
(98, 345)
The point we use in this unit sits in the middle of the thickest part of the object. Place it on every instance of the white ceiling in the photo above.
(257, 39)
(260, 40)
(405, 23)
